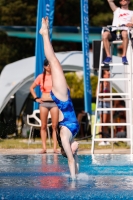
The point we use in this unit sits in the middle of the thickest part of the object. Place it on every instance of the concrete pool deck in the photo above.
(50, 151)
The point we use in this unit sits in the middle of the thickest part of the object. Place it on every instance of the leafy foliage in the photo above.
(18, 12)
(13, 49)
(67, 13)
(75, 83)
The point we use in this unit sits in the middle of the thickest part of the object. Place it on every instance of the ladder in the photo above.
(126, 96)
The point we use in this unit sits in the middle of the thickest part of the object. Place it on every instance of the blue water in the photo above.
(37, 177)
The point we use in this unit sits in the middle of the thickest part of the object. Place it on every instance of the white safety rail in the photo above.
(126, 96)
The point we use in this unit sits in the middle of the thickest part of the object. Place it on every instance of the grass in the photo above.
(20, 143)
(118, 145)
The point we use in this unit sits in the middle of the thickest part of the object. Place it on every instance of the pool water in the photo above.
(39, 177)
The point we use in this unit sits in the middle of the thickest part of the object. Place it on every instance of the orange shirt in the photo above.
(47, 85)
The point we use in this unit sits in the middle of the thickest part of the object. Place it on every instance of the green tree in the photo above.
(94, 80)
(13, 49)
(18, 12)
(67, 13)
(76, 85)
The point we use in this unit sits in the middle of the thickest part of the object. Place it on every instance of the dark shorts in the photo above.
(121, 134)
(48, 104)
(113, 35)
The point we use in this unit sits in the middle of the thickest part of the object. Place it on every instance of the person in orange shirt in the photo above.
(44, 80)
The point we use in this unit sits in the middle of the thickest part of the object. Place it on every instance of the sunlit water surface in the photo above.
(47, 177)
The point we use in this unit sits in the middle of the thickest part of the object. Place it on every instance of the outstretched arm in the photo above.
(112, 5)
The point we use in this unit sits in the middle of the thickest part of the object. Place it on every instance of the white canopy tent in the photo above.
(18, 76)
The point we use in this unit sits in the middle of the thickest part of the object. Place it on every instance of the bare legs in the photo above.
(66, 137)
(104, 118)
(74, 147)
(55, 117)
(125, 42)
(107, 36)
(43, 116)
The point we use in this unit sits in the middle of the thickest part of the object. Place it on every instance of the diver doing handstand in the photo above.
(60, 94)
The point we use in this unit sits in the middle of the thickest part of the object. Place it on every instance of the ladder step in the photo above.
(112, 139)
(112, 109)
(114, 79)
(113, 124)
(113, 64)
(118, 77)
(117, 42)
(113, 94)
(109, 99)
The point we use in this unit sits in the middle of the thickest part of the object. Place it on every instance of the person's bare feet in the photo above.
(56, 151)
(44, 27)
(43, 151)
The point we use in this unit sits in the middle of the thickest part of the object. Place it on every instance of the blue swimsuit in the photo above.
(66, 107)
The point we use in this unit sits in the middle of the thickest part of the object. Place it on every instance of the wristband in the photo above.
(36, 98)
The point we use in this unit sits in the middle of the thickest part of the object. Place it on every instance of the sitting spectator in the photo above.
(83, 122)
(119, 116)
(123, 17)
(118, 113)
(121, 130)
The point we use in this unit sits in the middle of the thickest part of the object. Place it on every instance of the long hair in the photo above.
(44, 74)
(45, 63)
(60, 143)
